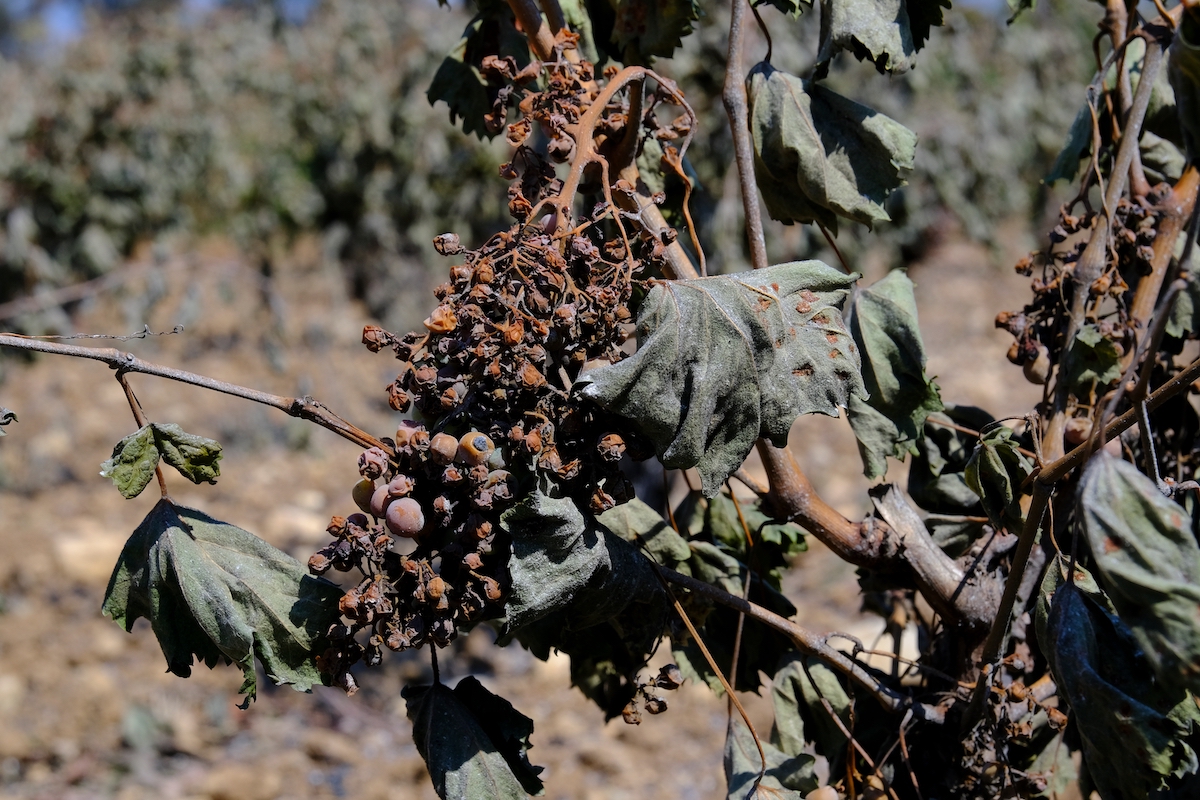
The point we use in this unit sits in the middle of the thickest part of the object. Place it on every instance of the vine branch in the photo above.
(300, 407)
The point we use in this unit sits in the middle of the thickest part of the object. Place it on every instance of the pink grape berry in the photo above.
(405, 518)
(379, 501)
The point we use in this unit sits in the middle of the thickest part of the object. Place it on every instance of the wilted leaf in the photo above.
(564, 562)
(1079, 136)
(1184, 71)
(725, 360)
(1092, 357)
(995, 473)
(761, 647)
(213, 591)
(1134, 733)
(195, 457)
(785, 777)
(1185, 313)
(473, 742)
(639, 524)
(648, 28)
(819, 156)
(1148, 562)
(774, 542)
(6, 417)
(793, 8)
(459, 82)
(798, 688)
(132, 464)
(883, 322)
(888, 33)
(937, 479)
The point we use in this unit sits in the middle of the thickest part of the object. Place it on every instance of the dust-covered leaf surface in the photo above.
(132, 464)
(937, 480)
(474, 743)
(1135, 733)
(648, 28)
(213, 591)
(774, 543)
(639, 524)
(996, 471)
(819, 156)
(1148, 562)
(723, 361)
(564, 562)
(1184, 71)
(6, 417)
(785, 777)
(196, 457)
(888, 33)
(889, 422)
(1079, 138)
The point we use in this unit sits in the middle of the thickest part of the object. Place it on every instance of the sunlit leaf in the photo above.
(890, 421)
(562, 561)
(474, 743)
(1135, 733)
(641, 525)
(196, 457)
(722, 361)
(819, 156)
(785, 777)
(888, 33)
(1148, 562)
(213, 592)
(996, 471)
(132, 464)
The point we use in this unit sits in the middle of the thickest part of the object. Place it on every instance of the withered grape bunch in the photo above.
(490, 381)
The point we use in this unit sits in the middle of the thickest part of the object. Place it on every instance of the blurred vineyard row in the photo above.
(157, 127)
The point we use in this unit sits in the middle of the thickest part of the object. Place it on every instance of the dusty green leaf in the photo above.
(890, 421)
(195, 457)
(1135, 734)
(460, 84)
(213, 591)
(1092, 357)
(641, 525)
(132, 464)
(1148, 562)
(473, 742)
(562, 561)
(648, 28)
(1056, 767)
(995, 473)
(819, 156)
(786, 777)
(797, 690)
(723, 361)
(1183, 69)
(1185, 313)
(6, 416)
(888, 33)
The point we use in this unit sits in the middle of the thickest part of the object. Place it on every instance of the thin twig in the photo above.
(300, 407)
(139, 417)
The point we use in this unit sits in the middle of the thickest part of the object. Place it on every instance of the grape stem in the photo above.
(139, 417)
(305, 408)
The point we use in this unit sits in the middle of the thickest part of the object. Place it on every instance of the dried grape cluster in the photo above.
(490, 379)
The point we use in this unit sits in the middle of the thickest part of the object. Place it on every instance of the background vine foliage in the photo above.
(587, 336)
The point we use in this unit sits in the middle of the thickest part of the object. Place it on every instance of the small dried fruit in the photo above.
(474, 448)
(405, 517)
(442, 448)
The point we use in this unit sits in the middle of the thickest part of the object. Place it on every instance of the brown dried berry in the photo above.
(474, 448)
(400, 486)
(631, 714)
(372, 463)
(669, 677)
(611, 447)
(442, 320)
(376, 338)
(656, 705)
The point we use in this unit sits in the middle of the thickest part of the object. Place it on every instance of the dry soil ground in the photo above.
(86, 710)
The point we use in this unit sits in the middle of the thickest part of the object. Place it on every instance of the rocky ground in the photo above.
(87, 710)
